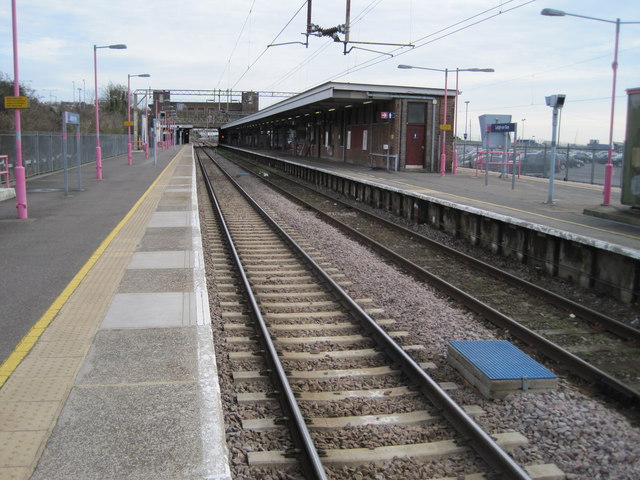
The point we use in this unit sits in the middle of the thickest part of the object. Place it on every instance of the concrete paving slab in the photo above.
(177, 189)
(145, 310)
(156, 280)
(162, 259)
(176, 198)
(170, 219)
(151, 355)
(126, 432)
(167, 238)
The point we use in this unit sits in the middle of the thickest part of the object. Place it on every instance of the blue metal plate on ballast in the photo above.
(500, 360)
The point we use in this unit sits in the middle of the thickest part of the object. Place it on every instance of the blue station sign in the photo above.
(71, 118)
(502, 127)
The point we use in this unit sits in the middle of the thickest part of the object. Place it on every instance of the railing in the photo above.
(577, 164)
(503, 162)
(42, 151)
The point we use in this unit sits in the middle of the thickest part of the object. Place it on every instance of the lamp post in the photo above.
(466, 113)
(522, 134)
(556, 102)
(443, 154)
(19, 171)
(608, 172)
(129, 149)
(118, 46)
(147, 127)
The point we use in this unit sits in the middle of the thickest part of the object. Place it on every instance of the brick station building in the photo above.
(375, 125)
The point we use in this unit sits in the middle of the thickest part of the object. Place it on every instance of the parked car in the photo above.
(616, 158)
(584, 157)
(537, 163)
(572, 162)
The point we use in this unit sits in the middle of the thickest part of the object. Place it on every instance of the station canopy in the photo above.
(332, 95)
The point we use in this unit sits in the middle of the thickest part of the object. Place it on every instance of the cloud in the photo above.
(46, 49)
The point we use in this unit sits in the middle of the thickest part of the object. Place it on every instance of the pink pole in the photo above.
(443, 154)
(146, 111)
(154, 131)
(164, 139)
(19, 171)
(129, 154)
(608, 171)
(97, 111)
(454, 165)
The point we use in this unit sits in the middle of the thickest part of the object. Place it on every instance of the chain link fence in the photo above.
(42, 151)
(576, 164)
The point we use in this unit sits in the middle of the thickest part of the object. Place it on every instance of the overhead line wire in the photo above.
(553, 69)
(384, 57)
(237, 41)
(267, 47)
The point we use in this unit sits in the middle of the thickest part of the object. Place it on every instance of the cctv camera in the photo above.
(555, 101)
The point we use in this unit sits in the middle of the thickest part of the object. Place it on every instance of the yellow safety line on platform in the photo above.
(428, 190)
(29, 340)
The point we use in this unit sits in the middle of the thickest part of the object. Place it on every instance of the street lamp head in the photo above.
(118, 46)
(145, 75)
(479, 69)
(405, 67)
(552, 12)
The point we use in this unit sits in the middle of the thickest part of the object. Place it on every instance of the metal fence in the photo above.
(576, 164)
(42, 151)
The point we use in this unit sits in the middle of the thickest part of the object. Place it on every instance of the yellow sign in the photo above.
(128, 123)
(16, 102)
(445, 126)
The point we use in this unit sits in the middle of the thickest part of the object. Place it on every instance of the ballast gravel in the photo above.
(583, 436)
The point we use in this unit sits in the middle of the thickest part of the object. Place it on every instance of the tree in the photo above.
(38, 117)
(113, 109)
(45, 117)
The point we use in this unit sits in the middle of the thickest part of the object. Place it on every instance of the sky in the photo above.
(210, 44)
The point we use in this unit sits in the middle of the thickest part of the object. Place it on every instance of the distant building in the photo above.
(227, 107)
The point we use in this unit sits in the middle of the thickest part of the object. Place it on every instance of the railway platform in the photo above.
(576, 207)
(115, 376)
(573, 237)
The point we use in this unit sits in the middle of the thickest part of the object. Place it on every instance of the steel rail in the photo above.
(310, 459)
(563, 357)
(479, 440)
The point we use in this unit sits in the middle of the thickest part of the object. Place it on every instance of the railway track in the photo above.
(601, 350)
(346, 390)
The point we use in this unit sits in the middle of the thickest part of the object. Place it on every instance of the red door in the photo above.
(415, 146)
